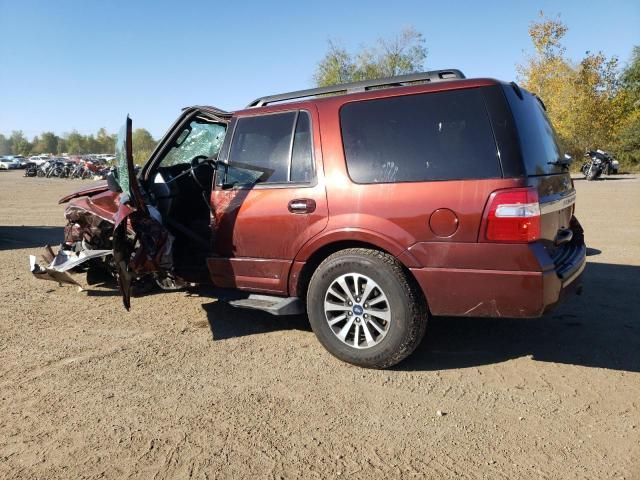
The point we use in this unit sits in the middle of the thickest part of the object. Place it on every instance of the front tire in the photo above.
(365, 309)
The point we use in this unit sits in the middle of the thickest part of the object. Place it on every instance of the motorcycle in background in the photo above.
(598, 162)
(31, 170)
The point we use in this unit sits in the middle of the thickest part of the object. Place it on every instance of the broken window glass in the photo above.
(121, 159)
(198, 139)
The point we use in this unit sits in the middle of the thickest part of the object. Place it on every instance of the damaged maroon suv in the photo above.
(369, 205)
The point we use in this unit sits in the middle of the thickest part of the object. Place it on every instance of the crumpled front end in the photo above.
(87, 237)
(89, 243)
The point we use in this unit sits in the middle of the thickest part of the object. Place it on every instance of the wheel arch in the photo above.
(309, 259)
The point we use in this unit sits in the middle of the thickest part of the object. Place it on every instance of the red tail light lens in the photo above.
(513, 216)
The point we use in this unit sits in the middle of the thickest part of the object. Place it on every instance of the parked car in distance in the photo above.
(39, 159)
(370, 206)
(22, 161)
(9, 163)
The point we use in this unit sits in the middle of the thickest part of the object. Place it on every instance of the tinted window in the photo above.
(538, 140)
(264, 141)
(436, 136)
(301, 157)
(504, 131)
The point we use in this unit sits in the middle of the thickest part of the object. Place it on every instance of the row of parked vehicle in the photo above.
(11, 162)
(83, 169)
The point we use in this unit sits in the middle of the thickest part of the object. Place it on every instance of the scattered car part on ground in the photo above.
(62, 263)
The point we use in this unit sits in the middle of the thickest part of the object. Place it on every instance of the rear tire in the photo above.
(376, 335)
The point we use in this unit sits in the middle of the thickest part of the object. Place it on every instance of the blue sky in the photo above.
(83, 65)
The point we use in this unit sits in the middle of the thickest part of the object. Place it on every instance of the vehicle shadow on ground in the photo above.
(600, 328)
(226, 321)
(17, 237)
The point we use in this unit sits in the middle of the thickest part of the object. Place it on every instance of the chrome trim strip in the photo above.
(559, 204)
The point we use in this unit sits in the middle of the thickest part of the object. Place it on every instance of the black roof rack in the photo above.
(363, 86)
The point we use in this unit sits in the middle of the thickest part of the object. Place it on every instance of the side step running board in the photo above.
(272, 305)
(266, 303)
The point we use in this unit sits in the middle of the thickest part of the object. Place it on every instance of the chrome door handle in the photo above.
(302, 205)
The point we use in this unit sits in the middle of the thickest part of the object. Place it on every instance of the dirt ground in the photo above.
(187, 387)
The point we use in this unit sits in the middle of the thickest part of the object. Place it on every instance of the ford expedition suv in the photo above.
(371, 206)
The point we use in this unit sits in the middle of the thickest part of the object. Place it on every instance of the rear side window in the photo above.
(415, 138)
(301, 156)
(279, 142)
(538, 140)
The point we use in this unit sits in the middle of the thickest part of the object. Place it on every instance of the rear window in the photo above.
(538, 140)
(414, 138)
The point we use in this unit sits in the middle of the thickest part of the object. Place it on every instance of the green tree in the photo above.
(75, 143)
(5, 145)
(401, 54)
(628, 135)
(19, 144)
(336, 67)
(583, 98)
(47, 142)
(91, 145)
(106, 141)
(630, 78)
(142, 144)
(62, 146)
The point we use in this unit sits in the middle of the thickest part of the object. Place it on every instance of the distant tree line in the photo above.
(75, 143)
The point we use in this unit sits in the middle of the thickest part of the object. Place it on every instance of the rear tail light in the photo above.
(513, 216)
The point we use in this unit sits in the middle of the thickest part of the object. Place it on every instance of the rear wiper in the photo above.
(562, 162)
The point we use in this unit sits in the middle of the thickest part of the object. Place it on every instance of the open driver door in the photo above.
(141, 244)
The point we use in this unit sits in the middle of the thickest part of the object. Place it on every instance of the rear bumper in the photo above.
(501, 293)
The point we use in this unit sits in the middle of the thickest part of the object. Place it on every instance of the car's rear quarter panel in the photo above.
(459, 275)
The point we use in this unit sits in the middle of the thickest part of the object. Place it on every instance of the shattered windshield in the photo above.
(121, 158)
(198, 139)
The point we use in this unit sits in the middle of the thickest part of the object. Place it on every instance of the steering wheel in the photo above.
(196, 162)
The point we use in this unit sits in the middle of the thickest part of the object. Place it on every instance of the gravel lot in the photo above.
(186, 387)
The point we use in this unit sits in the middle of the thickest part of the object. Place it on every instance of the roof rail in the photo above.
(363, 86)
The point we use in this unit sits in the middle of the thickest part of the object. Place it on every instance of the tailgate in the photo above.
(557, 198)
(543, 163)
